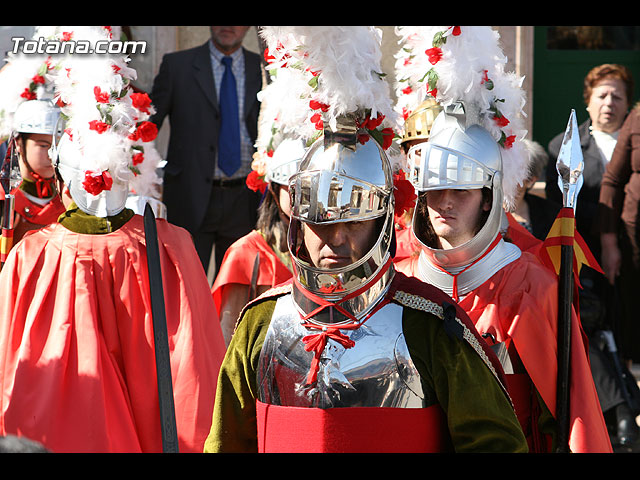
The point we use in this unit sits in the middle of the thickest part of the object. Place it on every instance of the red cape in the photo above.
(521, 302)
(237, 266)
(77, 368)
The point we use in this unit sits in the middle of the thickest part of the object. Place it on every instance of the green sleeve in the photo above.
(233, 427)
(479, 413)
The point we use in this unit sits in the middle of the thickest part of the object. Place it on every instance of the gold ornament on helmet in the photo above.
(418, 124)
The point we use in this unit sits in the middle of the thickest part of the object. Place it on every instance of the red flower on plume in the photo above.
(433, 92)
(146, 131)
(38, 79)
(405, 113)
(407, 90)
(434, 54)
(69, 132)
(456, 31)
(404, 193)
(256, 182)
(96, 182)
(363, 138)
(66, 36)
(316, 119)
(98, 126)
(268, 57)
(28, 94)
(387, 137)
(508, 143)
(141, 101)
(500, 120)
(101, 97)
(316, 105)
(372, 123)
(138, 158)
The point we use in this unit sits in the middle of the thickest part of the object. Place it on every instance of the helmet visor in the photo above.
(325, 196)
(433, 167)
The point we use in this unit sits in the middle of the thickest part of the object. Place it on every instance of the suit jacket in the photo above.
(588, 197)
(184, 90)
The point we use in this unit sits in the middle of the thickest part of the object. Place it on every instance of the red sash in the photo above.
(351, 430)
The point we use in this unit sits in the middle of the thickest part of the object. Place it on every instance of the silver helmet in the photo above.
(284, 163)
(36, 116)
(341, 180)
(458, 156)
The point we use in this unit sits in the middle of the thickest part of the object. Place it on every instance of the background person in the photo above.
(204, 187)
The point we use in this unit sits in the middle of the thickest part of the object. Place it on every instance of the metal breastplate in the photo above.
(376, 372)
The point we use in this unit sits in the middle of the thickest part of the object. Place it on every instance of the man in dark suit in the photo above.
(204, 180)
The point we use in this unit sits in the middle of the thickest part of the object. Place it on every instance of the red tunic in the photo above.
(237, 266)
(520, 303)
(77, 368)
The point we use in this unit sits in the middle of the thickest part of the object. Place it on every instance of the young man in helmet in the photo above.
(37, 200)
(508, 294)
(350, 356)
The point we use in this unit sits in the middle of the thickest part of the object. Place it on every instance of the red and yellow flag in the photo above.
(563, 232)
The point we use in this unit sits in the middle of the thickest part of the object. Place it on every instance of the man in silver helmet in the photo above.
(37, 200)
(351, 356)
(510, 297)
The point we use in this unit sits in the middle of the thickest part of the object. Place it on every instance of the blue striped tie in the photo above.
(229, 137)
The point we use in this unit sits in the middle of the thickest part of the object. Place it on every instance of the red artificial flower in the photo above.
(28, 94)
(96, 182)
(363, 138)
(434, 54)
(404, 194)
(115, 68)
(373, 123)
(433, 92)
(268, 57)
(405, 113)
(508, 143)
(407, 90)
(316, 105)
(256, 182)
(66, 36)
(69, 132)
(141, 101)
(387, 137)
(146, 131)
(316, 119)
(138, 158)
(456, 31)
(501, 120)
(60, 103)
(98, 126)
(38, 79)
(485, 77)
(101, 97)
(270, 153)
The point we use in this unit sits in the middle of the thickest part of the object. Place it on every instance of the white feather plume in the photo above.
(466, 64)
(79, 79)
(345, 61)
